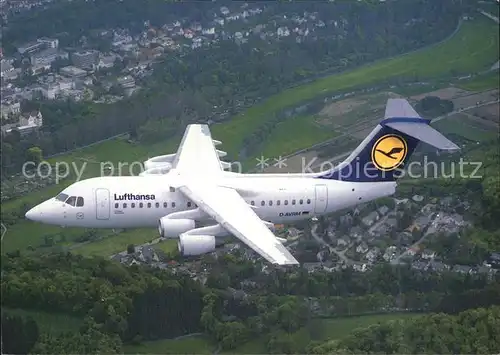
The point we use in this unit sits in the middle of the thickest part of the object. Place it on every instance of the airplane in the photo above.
(190, 195)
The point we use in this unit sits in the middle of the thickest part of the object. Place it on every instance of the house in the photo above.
(372, 254)
(462, 269)
(188, 34)
(27, 123)
(283, 31)
(341, 242)
(233, 17)
(391, 223)
(219, 21)
(196, 27)
(359, 267)
(383, 210)
(428, 254)
(494, 259)
(438, 266)
(412, 251)
(147, 254)
(390, 253)
(208, 31)
(405, 239)
(422, 222)
(369, 220)
(428, 208)
(362, 248)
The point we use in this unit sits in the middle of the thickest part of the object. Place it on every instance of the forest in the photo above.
(127, 305)
(187, 86)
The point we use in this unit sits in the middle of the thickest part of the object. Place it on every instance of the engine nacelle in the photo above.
(172, 228)
(159, 161)
(193, 245)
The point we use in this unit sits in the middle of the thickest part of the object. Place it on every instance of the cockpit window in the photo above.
(61, 197)
(79, 202)
(71, 201)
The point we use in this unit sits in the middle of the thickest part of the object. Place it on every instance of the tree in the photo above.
(34, 154)
(19, 335)
(130, 249)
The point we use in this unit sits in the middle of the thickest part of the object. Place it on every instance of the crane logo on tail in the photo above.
(389, 152)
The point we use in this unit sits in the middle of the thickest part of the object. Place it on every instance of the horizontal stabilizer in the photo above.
(424, 133)
(400, 116)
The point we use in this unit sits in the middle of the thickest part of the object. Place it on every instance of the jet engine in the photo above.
(172, 228)
(192, 245)
(160, 161)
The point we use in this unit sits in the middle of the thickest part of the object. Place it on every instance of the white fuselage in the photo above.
(134, 202)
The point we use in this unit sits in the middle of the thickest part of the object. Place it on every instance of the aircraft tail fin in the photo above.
(382, 155)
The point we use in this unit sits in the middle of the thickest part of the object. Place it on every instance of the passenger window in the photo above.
(270, 203)
(71, 201)
(293, 202)
(61, 197)
(262, 203)
(165, 205)
(308, 201)
(79, 202)
(173, 204)
(149, 204)
(116, 205)
(286, 202)
(132, 205)
(189, 203)
(141, 205)
(157, 204)
(301, 202)
(252, 203)
(124, 205)
(278, 202)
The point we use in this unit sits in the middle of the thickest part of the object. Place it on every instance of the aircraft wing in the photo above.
(197, 151)
(227, 207)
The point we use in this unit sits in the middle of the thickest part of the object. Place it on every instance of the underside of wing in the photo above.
(197, 151)
(227, 207)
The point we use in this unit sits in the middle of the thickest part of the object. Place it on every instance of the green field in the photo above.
(193, 345)
(474, 47)
(329, 329)
(49, 322)
(117, 243)
(295, 134)
(482, 83)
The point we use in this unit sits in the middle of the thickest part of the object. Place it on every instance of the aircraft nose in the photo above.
(33, 213)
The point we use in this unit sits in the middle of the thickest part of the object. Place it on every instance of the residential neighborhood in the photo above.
(44, 69)
(358, 239)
